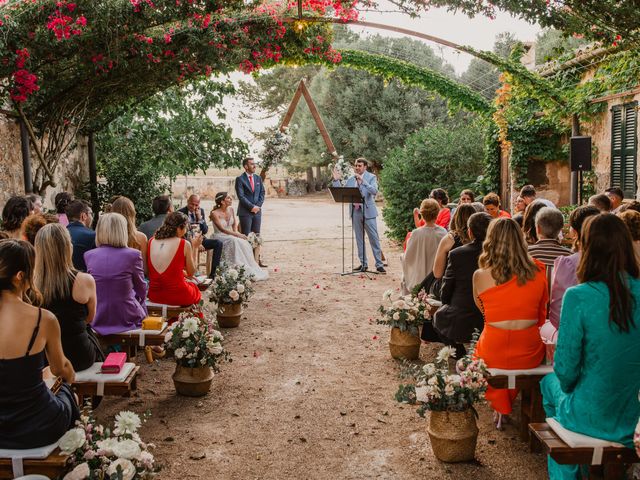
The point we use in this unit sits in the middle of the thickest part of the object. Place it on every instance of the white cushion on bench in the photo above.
(140, 333)
(579, 440)
(17, 456)
(94, 374)
(512, 374)
(161, 305)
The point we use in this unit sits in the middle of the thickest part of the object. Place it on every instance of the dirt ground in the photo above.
(310, 391)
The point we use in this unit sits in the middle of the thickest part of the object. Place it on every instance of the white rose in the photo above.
(398, 304)
(127, 422)
(396, 316)
(422, 394)
(240, 288)
(179, 353)
(72, 440)
(127, 449)
(106, 446)
(216, 349)
(79, 473)
(126, 467)
(234, 295)
(232, 273)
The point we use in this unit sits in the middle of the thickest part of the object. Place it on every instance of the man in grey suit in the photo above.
(367, 183)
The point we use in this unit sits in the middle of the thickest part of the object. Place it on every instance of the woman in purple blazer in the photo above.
(117, 270)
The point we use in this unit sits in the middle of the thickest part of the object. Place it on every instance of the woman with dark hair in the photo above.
(444, 215)
(14, 212)
(31, 415)
(168, 256)
(236, 250)
(61, 201)
(594, 387)
(529, 221)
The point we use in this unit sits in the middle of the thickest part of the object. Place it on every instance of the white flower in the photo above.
(185, 334)
(179, 353)
(448, 390)
(216, 335)
(422, 394)
(79, 473)
(216, 349)
(398, 304)
(240, 288)
(411, 318)
(72, 440)
(234, 295)
(126, 467)
(232, 273)
(190, 325)
(445, 353)
(432, 381)
(429, 369)
(396, 316)
(127, 449)
(168, 336)
(127, 422)
(106, 446)
(147, 460)
(387, 295)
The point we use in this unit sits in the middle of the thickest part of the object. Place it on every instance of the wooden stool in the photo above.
(166, 311)
(111, 387)
(130, 341)
(52, 466)
(613, 463)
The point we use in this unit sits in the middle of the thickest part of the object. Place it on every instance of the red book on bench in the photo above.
(114, 362)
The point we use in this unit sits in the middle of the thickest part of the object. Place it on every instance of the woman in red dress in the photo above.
(169, 256)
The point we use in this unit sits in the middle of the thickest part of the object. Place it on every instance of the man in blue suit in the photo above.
(368, 185)
(250, 192)
(82, 237)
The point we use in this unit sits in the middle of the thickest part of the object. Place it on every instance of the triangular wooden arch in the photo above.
(304, 92)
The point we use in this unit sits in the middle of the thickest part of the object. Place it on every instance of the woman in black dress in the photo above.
(31, 415)
(69, 294)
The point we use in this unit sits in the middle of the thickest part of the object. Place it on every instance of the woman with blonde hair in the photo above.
(31, 414)
(117, 270)
(135, 238)
(417, 261)
(70, 295)
(510, 288)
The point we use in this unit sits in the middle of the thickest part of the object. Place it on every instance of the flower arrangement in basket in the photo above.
(254, 239)
(104, 454)
(233, 285)
(195, 343)
(402, 312)
(343, 167)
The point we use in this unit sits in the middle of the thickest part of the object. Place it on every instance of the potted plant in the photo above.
(404, 318)
(108, 454)
(231, 291)
(450, 398)
(198, 350)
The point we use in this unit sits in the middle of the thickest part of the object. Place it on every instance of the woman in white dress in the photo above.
(236, 250)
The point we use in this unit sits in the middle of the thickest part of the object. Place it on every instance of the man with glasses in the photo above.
(82, 237)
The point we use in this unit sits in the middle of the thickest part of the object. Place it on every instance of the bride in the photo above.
(236, 250)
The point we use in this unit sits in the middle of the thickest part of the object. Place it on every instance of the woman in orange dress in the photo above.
(510, 288)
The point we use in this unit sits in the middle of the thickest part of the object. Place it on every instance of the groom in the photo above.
(368, 185)
(250, 191)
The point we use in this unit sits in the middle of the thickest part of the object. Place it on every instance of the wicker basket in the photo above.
(453, 435)
(404, 345)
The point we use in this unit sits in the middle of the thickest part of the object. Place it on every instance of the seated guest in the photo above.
(456, 320)
(631, 219)
(36, 202)
(444, 215)
(632, 205)
(161, 206)
(510, 288)
(117, 270)
(466, 196)
(518, 210)
(31, 416)
(529, 195)
(14, 212)
(70, 295)
(564, 267)
(33, 223)
(616, 196)
(417, 261)
(549, 222)
(594, 387)
(135, 239)
(62, 200)
(529, 221)
(478, 206)
(82, 237)
(491, 202)
(456, 237)
(168, 256)
(197, 220)
(601, 202)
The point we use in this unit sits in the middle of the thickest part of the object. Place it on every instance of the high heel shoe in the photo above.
(151, 354)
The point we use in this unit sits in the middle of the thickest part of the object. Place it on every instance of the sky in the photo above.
(479, 33)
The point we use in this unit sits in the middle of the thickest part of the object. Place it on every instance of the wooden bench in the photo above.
(53, 466)
(614, 459)
(166, 311)
(531, 410)
(122, 388)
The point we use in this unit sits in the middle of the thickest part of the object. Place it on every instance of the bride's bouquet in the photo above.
(254, 239)
(344, 168)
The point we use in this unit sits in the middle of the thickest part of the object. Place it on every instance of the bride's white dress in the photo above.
(237, 251)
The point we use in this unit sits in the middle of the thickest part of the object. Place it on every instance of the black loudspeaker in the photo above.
(580, 153)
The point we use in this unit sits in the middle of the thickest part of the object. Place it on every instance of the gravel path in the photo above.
(309, 394)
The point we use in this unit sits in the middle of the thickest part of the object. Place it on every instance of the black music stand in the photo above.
(349, 195)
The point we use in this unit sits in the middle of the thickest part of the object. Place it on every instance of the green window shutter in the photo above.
(624, 148)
